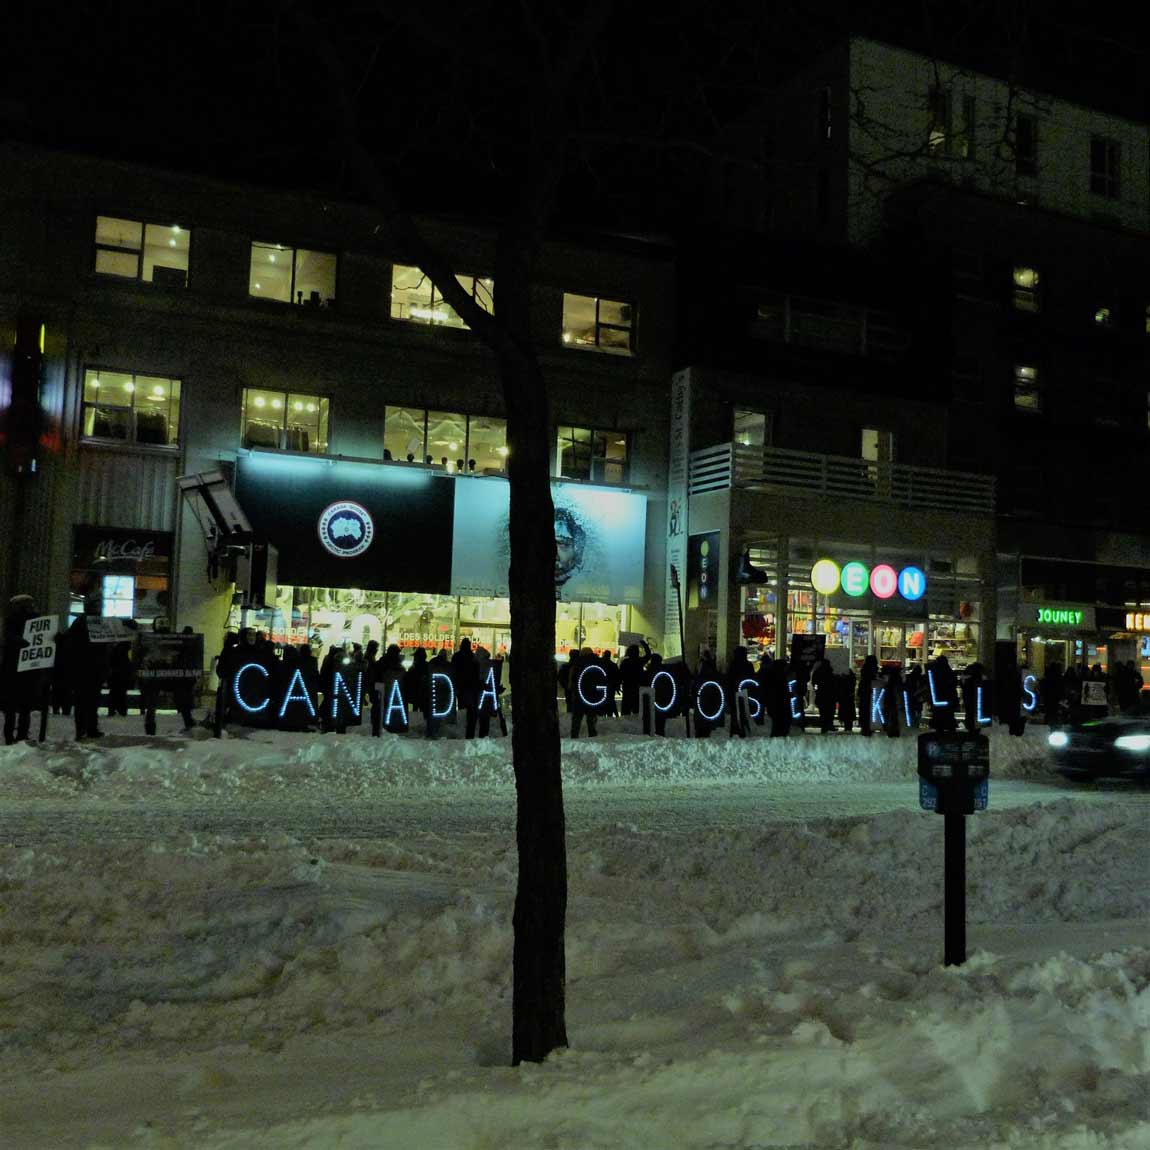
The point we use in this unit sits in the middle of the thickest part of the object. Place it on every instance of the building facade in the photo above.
(193, 329)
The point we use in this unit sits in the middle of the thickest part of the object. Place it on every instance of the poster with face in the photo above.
(599, 541)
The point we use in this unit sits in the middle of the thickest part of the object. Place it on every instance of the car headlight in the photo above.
(1133, 742)
(1057, 739)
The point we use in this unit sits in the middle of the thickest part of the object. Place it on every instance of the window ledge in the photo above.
(129, 446)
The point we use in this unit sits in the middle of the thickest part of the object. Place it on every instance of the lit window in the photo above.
(1105, 165)
(1026, 145)
(134, 250)
(752, 428)
(1026, 281)
(938, 124)
(598, 324)
(595, 455)
(292, 275)
(1102, 317)
(131, 408)
(1027, 395)
(415, 299)
(118, 597)
(284, 420)
(461, 444)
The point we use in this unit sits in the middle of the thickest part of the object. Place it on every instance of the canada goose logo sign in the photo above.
(346, 529)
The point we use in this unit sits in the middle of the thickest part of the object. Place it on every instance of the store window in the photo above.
(119, 596)
(459, 443)
(415, 299)
(135, 250)
(284, 420)
(292, 275)
(1027, 393)
(596, 324)
(125, 407)
(1026, 145)
(593, 455)
(1026, 289)
(1105, 165)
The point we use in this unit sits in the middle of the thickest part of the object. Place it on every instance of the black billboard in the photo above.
(353, 525)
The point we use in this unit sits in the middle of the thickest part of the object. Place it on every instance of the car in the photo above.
(1117, 746)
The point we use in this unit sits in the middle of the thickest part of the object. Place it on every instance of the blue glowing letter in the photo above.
(489, 690)
(236, 688)
(302, 697)
(876, 715)
(906, 708)
(796, 709)
(674, 690)
(699, 702)
(1027, 690)
(911, 584)
(435, 712)
(601, 688)
(753, 704)
(395, 703)
(935, 701)
(978, 716)
(338, 684)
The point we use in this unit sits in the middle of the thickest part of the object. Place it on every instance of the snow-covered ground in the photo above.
(301, 941)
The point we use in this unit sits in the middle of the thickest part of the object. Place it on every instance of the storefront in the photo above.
(1051, 634)
(405, 554)
(901, 605)
(121, 572)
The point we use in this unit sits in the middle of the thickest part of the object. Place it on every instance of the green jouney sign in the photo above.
(1062, 615)
(1058, 615)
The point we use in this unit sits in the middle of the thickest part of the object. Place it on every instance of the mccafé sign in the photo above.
(856, 579)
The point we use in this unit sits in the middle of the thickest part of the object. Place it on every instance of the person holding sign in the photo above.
(19, 692)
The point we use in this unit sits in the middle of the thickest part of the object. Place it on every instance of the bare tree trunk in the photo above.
(539, 965)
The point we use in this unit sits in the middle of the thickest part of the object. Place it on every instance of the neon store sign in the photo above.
(856, 579)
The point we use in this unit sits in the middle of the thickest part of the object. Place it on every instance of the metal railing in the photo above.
(838, 476)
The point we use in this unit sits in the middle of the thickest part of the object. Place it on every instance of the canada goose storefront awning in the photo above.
(391, 527)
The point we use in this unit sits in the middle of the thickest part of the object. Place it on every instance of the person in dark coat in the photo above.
(893, 704)
(613, 682)
(763, 678)
(915, 687)
(465, 680)
(1010, 699)
(778, 700)
(18, 689)
(972, 680)
(61, 677)
(415, 682)
(740, 669)
(846, 697)
(388, 672)
(120, 674)
(89, 665)
(1051, 691)
(823, 682)
(631, 676)
(867, 676)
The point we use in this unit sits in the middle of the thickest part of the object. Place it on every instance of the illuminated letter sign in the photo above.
(796, 709)
(911, 584)
(906, 708)
(489, 691)
(291, 697)
(883, 581)
(876, 711)
(395, 703)
(753, 704)
(825, 576)
(345, 529)
(338, 685)
(601, 687)
(980, 719)
(1027, 689)
(716, 715)
(674, 690)
(251, 710)
(935, 701)
(1059, 616)
(854, 579)
(436, 713)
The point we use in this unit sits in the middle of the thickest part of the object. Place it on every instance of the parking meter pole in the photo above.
(954, 889)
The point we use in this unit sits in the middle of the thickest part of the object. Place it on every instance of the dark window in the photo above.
(1105, 158)
(589, 453)
(1026, 146)
(824, 116)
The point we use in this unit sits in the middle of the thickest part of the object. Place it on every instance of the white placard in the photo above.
(40, 635)
(108, 629)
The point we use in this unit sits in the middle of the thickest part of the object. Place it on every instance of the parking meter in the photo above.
(954, 781)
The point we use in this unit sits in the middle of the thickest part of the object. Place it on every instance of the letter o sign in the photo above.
(883, 581)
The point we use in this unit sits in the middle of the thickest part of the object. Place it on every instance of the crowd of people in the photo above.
(777, 694)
